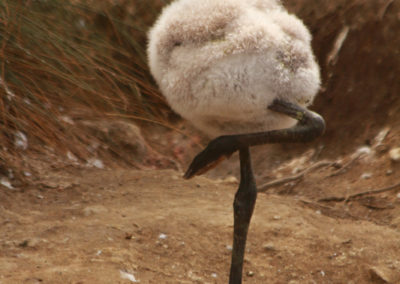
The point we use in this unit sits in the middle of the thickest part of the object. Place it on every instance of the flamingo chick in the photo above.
(242, 71)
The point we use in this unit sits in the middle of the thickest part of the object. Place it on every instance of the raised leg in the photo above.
(243, 207)
(309, 127)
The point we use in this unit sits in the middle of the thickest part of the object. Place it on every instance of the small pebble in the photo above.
(5, 182)
(366, 176)
(364, 150)
(214, 275)
(250, 273)
(128, 236)
(269, 247)
(231, 180)
(162, 236)
(128, 276)
(394, 154)
(95, 163)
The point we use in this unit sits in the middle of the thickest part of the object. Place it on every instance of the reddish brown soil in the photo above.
(86, 227)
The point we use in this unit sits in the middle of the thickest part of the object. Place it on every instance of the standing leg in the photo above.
(243, 207)
(310, 125)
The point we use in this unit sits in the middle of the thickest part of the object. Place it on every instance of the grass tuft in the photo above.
(65, 60)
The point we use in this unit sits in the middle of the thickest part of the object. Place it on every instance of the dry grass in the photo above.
(65, 60)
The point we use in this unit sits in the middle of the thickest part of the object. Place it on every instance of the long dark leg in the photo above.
(310, 126)
(243, 207)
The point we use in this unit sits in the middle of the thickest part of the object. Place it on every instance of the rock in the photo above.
(250, 273)
(231, 180)
(120, 136)
(95, 163)
(380, 274)
(394, 154)
(366, 175)
(6, 183)
(128, 276)
(269, 247)
(162, 236)
(364, 150)
(129, 136)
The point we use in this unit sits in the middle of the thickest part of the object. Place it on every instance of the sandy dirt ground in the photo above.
(122, 226)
